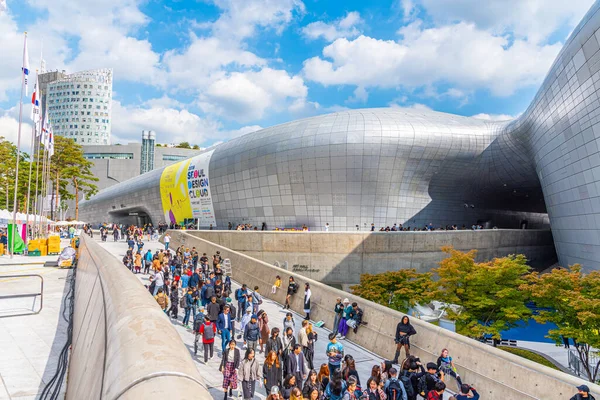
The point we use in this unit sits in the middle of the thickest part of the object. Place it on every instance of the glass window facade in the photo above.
(64, 102)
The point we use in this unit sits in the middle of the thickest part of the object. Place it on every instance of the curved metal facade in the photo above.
(387, 166)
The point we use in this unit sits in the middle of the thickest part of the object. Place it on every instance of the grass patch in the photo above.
(530, 355)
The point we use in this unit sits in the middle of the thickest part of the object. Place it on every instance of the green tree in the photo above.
(572, 302)
(69, 166)
(487, 293)
(399, 290)
(8, 157)
(196, 147)
(184, 145)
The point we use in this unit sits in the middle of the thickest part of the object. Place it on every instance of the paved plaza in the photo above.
(30, 343)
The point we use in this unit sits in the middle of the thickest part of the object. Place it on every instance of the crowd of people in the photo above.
(196, 284)
(183, 280)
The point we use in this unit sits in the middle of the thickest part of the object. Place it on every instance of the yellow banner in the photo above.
(174, 192)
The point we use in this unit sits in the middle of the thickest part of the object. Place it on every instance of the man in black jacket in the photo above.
(296, 364)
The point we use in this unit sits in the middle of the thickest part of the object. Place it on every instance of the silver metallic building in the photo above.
(387, 166)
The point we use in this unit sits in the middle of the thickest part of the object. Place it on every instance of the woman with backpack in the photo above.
(229, 367)
(208, 331)
(249, 374)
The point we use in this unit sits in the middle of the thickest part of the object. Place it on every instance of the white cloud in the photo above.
(494, 117)
(205, 60)
(343, 27)
(532, 19)
(240, 19)
(245, 96)
(414, 107)
(9, 127)
(171, 125)
(460, 54)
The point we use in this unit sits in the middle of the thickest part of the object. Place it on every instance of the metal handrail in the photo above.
(15, 296)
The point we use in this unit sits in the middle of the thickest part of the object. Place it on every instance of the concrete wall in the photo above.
(124, 346)
(341, 257)
(496, 374)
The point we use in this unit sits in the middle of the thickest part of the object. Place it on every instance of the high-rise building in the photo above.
(147, 159)
(79, 105)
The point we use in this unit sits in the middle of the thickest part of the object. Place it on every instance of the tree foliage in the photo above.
(196, 147)
(184, 145)
(488, 293)
(8, 158)
(399, 290)
(572, 302)
(70, 171)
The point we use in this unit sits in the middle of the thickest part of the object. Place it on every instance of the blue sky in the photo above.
(208, 70)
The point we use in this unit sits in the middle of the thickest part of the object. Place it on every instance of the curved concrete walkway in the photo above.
(213, 378)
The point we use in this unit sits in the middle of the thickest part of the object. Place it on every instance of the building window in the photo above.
(104, 156)
(173, 157)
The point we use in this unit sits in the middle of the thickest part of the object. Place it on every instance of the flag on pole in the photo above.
(35, 105)
(50, 140)
(45, 126)
(25, 64)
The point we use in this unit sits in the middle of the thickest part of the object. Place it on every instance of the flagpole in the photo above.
(12, 247)
(29, 187)
(35, 203)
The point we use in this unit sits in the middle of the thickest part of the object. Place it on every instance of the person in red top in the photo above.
(438, 391)
(208, 330)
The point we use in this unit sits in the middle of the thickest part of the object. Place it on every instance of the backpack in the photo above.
(183, 301)
(238, 293)
(422, 386)
(394, 391)
(407, 382)
(209, 332)
(198, 321)
(161, 300)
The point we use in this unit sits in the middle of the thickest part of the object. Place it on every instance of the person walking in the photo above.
(404, 330)
(307, 294)
(275, 344)
(311, 384)
(213, 309)
(251, 333)
(296, 364)
(335, 354)
(289, 341)
(309, 351)
(147, 261)
(291, 290)
(229, 367)
(256, 300)
(289, 322)
(249, 373)
(241, 295)
(174, 297)
(167, 240)
(225, 327)
(187, 306)
(263, 324)
(208, 331)
(272, 371)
